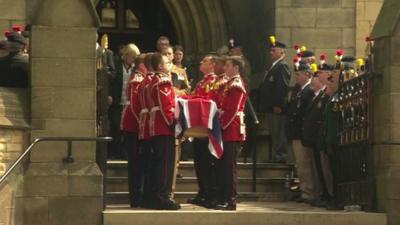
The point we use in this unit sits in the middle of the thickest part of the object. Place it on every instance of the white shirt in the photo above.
(319, 91)
(126, 76)
(273, 64)
(302, 87)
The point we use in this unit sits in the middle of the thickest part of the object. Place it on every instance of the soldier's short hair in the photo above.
(140, 59)
(213, 57)
(237, 61)
(130, 49)
(147, 60)
(156, 60)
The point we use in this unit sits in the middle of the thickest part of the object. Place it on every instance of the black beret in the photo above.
(326, 66)
(277, 45)
(307, 53)
(16, 37)
(348, 59)
(233, 43)
(303, 66)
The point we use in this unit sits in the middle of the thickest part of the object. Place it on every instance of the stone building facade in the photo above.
(63, 82)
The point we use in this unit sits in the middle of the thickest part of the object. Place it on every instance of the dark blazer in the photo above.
(296, 110)
(116, 84)
(273, 90)
(14, 71)
(313, 120)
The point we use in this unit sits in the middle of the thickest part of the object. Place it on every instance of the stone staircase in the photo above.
(270, 185)
(267, 206)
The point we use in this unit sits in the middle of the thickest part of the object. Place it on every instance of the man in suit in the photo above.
(273, 93)
(299, 100)
(311, 130)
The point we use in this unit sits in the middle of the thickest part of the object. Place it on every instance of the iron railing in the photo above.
(67, 159)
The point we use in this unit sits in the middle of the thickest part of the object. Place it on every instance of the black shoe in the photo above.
(210, 204)
(168, 204)
(226, 206)
(197, 201)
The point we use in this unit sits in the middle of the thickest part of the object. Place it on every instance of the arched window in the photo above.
(115, 15)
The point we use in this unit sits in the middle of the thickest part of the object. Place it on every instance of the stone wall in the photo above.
(323, 26)
(11, 12)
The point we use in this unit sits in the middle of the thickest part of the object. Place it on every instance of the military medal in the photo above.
(298, 104)
(319, 105)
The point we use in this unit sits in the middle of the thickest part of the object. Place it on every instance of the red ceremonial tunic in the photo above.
(203, 88)
(130, 113)
(218, 89)
(163, 109)
(145, 106)
(232, 106)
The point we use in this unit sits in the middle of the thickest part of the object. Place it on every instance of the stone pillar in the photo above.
(63, 41)
(367, 12)
(386, 34)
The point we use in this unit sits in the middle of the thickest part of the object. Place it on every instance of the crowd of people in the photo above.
(302, 119)
(14, 60)
(143, 89)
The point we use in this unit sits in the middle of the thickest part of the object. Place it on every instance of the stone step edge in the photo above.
(192, 179)
(192, 193)
(123, 163)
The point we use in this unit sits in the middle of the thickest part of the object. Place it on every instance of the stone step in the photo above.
(186, 169)
(120, 198)
(254, 213)
(189, 184)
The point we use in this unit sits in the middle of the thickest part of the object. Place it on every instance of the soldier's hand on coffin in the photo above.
(277, 110)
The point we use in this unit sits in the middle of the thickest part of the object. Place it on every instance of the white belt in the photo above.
(144, 111)
(155, 108)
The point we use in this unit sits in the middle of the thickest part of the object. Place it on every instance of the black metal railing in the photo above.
(67, 159)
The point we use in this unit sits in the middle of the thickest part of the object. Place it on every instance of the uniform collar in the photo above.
(234, 76)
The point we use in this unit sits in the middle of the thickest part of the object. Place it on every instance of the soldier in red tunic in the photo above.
(130, 128)
(233, 131)
(144, 134)
(162, 132)
(220, 82)
(203, 160)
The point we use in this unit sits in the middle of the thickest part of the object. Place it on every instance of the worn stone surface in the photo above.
(70, 72)
(295, 17)
(13, 10)
(77, 42)
(75, 210)
(85, 180)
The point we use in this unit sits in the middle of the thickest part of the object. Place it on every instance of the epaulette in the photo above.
(137, 78)
(164, 80)
(237, 83)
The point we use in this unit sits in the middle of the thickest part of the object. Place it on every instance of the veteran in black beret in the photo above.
(299, 100)
(273, 94)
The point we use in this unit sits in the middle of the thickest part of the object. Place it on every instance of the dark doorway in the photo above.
(135, 21)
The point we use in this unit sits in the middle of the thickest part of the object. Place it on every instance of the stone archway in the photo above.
(200, 25)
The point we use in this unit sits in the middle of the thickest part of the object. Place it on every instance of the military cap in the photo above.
(303, 66)
(273, 43)
(348, 62)
(307, 53)
(233, 43)
(326, 66)
(16, 37)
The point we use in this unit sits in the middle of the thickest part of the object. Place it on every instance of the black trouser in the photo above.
(321, 179)
(204, 165)
(227, 171)
(164, 163)
(149, 172)
(130, 144)
(114, 148)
